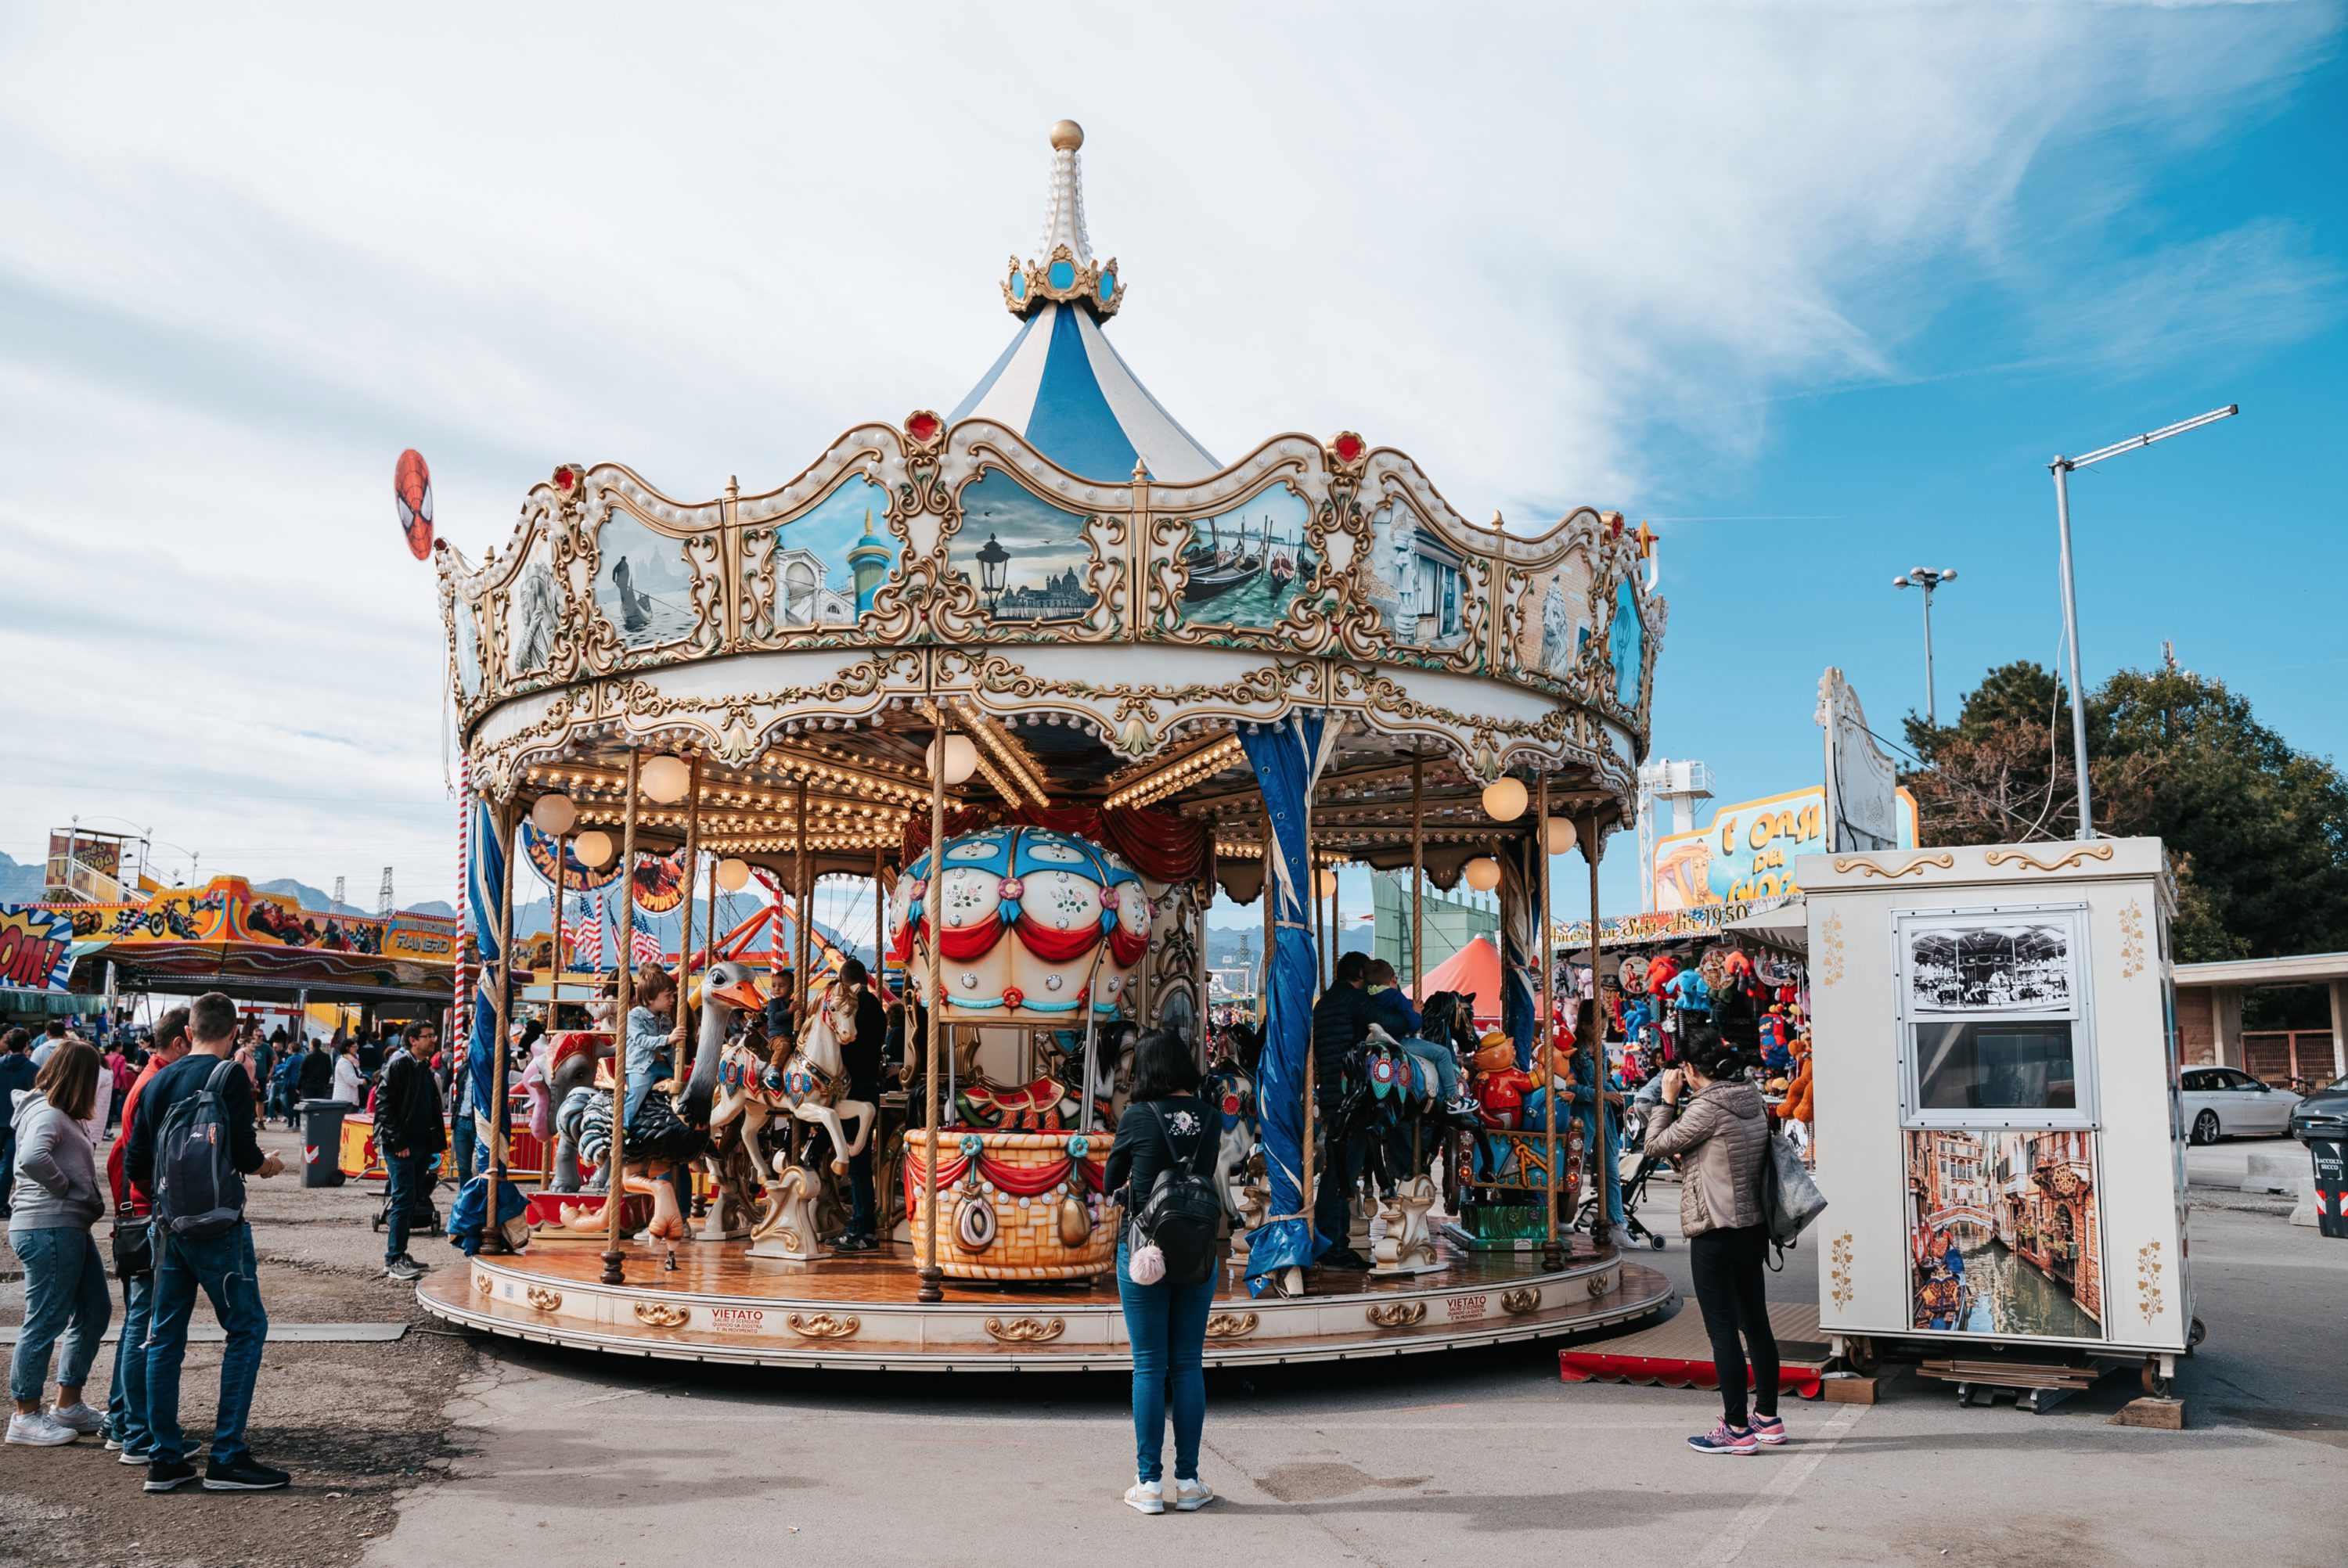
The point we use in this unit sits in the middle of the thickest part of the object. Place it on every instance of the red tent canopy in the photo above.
(1474, 969)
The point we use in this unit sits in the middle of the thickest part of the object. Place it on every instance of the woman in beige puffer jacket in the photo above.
(1712, 1120)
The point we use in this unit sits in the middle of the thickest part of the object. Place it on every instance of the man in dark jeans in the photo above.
(1341, 1022)
(409, 1137)
(221, 1265)
(861, 1058)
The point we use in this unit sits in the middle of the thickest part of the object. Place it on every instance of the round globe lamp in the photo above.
(553, 814)
(665, 779)
(1504, 799)
(1483, 874)
(732, 875)
(594, 848)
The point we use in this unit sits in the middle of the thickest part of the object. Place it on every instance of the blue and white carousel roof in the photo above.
(1060, 383)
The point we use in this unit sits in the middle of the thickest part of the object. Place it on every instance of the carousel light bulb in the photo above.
(665, 779)
(1504, 799)
(594, 848)
(1324, 883)
(553, 814)
(1557, 834)
(962, 759)
(732, 875)
(1483, 874)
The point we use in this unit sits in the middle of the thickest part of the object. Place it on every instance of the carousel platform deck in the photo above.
(858, 1310)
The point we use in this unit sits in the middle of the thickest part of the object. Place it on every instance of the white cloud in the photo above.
(1550, 251)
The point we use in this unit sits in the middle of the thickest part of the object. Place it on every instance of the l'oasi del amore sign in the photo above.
(1749, 851)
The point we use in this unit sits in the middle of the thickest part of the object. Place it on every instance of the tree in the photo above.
(2258, 831)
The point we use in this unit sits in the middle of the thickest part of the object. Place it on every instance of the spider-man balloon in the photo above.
(411, 487)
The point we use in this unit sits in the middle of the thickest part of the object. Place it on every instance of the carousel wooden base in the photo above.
(857, 1310)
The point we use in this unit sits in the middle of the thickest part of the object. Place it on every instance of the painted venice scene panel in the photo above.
(822, 567)
(1027, 558)
(2004, 1234)
(1245, 567)
(643, 585)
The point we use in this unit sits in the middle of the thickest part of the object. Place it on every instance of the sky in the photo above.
(1818, 291)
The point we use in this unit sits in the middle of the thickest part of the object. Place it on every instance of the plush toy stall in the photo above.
(1996, 1104)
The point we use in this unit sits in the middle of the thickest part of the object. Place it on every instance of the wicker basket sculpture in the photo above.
(1018, 1205)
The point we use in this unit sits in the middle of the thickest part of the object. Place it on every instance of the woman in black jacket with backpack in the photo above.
(1166, 1129)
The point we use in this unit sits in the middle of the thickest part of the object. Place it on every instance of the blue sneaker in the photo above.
(1768, 1430)
(1725, 1439)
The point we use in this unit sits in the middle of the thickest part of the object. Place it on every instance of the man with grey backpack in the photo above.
(192, 1148)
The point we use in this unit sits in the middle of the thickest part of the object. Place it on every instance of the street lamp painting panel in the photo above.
(1026, 558)
(643, 585)
(1245, 567)
(2006, 1234)
(820, 568)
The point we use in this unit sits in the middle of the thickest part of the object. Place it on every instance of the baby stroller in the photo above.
(423, 1216)
(1634, 1193)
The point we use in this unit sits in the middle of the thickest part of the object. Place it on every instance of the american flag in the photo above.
(645, 948)
(585, 936)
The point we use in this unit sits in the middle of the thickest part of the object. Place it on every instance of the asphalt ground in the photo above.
(440, 1449)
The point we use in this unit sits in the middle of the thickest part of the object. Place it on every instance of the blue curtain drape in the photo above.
(1287, 759)
(484, 878)
(1519, 943)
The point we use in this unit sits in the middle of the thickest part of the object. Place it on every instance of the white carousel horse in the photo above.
(810, 1086)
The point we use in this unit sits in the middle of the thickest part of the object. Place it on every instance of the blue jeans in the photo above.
(1443, 1059)
(126, 1401)
(404, 1175)
(860, 1193)
(223, 1269)
(1608, 1165)
(64, 1293)
(7, 1168)
(464, 1145)
(1167, 1325)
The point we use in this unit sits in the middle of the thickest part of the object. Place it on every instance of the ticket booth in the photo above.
(1998, 1127)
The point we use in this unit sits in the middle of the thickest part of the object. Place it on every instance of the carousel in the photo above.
(1048, 675)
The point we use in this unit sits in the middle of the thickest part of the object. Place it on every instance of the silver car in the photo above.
(2227, 1102)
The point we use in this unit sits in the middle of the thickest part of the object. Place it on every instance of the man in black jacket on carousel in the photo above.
(1341, 1022)
(861, 1058)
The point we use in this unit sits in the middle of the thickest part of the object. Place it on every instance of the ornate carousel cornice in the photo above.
(543, 659)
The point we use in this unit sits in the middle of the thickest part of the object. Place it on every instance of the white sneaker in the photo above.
(37, 1431)
(79, 1417)
(1143, 1495)
(1189, 1496)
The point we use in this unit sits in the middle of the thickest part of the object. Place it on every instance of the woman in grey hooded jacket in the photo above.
(1712, 1120)
(58, 1199)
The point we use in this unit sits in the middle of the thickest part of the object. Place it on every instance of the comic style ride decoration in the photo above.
(1038, 926)
(411, 491)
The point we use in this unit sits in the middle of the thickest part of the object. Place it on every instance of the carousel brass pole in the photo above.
(804, 890)
(1544, 1048)
(932, 1277)
(554, 1000)
(684, 916)
(615, 1187)
(1600, 1227)
(1417, 964)
(508, 819)
(880, 923)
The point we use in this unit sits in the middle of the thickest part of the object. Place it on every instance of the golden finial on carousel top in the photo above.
(1062, 270)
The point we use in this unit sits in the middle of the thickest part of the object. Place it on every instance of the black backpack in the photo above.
(1181, 1214)
(198, 1191)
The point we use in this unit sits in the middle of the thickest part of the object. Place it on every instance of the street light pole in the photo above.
(1928, 579)
(2061, 468)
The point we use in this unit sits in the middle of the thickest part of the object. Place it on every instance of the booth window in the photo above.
(1995, 1018)
(2006, 1065)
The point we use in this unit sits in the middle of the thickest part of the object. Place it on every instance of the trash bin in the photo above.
(321, 1142)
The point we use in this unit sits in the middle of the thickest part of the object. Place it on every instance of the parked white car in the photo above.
(2227, 1102)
